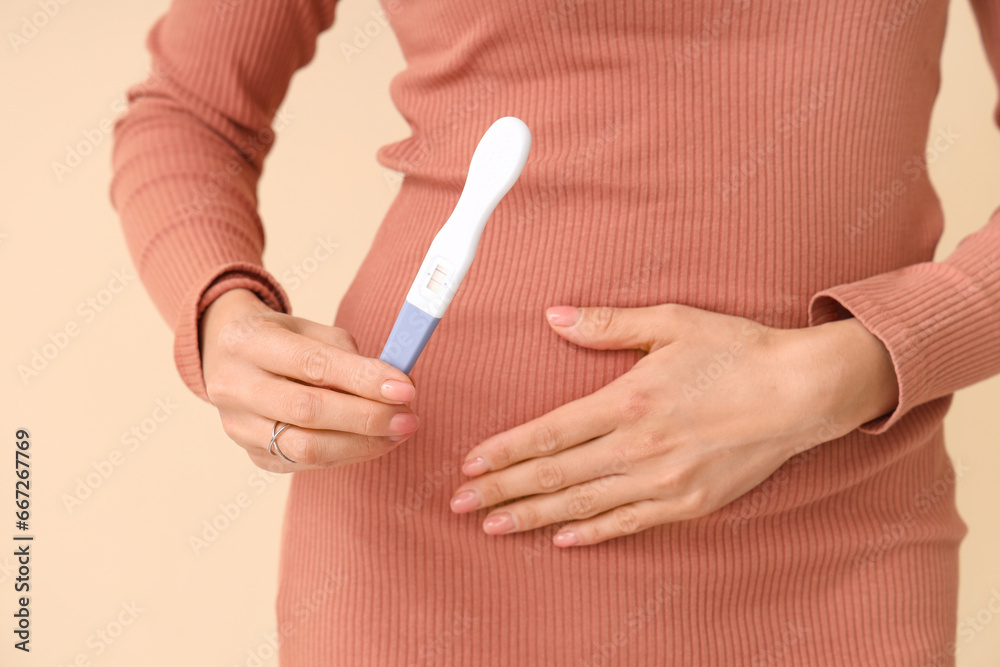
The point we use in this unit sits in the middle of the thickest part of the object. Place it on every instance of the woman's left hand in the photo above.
(716, 405)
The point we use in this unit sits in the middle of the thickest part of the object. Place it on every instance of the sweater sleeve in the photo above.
(940, 321)
(189, 150)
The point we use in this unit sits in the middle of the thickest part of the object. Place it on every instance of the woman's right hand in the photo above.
(260, 366)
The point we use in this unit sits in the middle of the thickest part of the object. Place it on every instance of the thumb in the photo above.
(608, 328)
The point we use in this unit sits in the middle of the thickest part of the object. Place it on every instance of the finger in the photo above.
(273, 463)
(309, 448)
(335, 336)
(622, 520)
(253, 434)
(609, 328)
(576, 502)
(545, 475)
(276, 398)
(567, 426)
(320, 364)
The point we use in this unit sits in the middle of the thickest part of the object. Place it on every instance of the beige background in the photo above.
(128, 543)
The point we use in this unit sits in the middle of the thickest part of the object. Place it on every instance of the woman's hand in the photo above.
(717, 405)
(260, 366)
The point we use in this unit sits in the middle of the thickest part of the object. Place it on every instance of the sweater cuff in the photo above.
(930, 317)
(187, 351)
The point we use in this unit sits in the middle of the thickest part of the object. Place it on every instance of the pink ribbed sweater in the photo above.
(755, 158)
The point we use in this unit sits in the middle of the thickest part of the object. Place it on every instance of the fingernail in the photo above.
(394, 390)
(399, 436)
(476, 466)
(566, 539)
(466, 501)
(563, 316)
(498, 523)
(403, 422)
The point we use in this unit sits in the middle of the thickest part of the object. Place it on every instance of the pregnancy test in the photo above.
(495, 166)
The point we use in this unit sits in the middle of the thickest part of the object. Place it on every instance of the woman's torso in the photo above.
(734, 156)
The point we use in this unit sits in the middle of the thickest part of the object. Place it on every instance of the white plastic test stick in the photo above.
(496, 164)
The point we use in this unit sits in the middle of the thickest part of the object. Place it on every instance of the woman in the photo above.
(732, 454)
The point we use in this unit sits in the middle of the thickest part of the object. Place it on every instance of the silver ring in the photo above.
(273, 447)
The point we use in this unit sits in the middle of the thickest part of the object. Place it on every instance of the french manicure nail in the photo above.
(394, 390)
(498, 523)
(476, 466)
(465, 501)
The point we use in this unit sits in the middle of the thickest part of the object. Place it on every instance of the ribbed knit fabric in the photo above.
(762, 159)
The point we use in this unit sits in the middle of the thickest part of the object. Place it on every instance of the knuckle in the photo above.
(636, 403)
(229, 423)
(640, 448)
(217, 389)
(695, 504)
(583, 502)
(619, 465)
(313, 365)
(526, 517)
(367, 373)
(668, 482)
(369, 421)
(504, 455)
(303, 407)
(549, 475)
(627, 520)
(352, 375)
(546, 439)
(301, 447)
(603, 318)
(495, 490)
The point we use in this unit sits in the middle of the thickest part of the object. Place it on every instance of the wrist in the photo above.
(861, 383)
